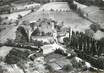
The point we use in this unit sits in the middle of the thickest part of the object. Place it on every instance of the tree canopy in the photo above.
(24, 36)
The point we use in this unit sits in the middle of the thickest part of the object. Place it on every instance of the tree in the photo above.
(89, 32)
(36, 32)
(60, 51)
(32, 10)
(9, 42)
(43, 34)
(1, 59)
(101, 46)
(19, 16)
(32, 25)
(73, 6)
(38, 43)
(95, 27)
(0, 20)
(66, 41)
(100, 62)
(58, 28)
(21, 35)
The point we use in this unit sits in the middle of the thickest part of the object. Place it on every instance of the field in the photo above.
(95, 14)
(14, 16)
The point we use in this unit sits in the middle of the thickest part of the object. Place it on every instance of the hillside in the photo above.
(63, 6)
(68, 17)
(4, 2)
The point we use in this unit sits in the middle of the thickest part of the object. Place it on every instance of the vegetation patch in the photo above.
(16, 56)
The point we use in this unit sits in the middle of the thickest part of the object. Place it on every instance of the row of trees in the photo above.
(91, 2)
(86, 46)
(81, 41)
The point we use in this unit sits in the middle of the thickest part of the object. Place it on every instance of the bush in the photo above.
(73, 6)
